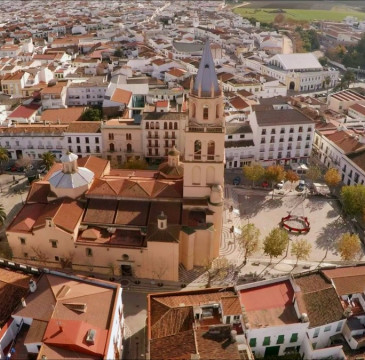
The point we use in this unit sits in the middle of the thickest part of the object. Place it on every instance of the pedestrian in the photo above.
(13, 178)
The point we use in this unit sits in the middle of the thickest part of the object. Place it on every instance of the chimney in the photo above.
(24, 304)
(32, 286)
(162, 221)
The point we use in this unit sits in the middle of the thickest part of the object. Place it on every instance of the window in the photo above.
(263, 132)
(97, 149)
(282, 131)
(294, 337)
(217, 111)
(316, 332)
(280, 339)
(236, 317)
(193, 108)
(165, 125)
(327, 328)
(119, 159)
(266, 341)
(53, 243)
(86, 140)
(273, 131)
(205, 112)
(129, 148)
(291, 130)
(339, 326)
(253, 342)
(79, 149)
(147, 125)
(211, 150)
(300, 129)
(111, 147)
(22, 241)
(88, 149)
(230, 137)
(111, 136)
(152, 125)
(57, 258)
(89, 252)
(197, 149)
(242, 136)
(170, 125)
(272, 139)
(96, 140)
(25, 255)
(77, 140)
(69, 140)
(128, 136)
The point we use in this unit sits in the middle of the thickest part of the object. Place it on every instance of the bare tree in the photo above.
(216, 268)
(23, 161)
(67, 260)
(41, 256)
(160, 270)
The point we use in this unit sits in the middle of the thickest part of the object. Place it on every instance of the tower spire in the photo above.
(206, 78)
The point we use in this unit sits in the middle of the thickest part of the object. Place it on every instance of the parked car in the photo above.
(42, 169)
(301, 185)
(20, 169)
(280, 184)
(237, 180)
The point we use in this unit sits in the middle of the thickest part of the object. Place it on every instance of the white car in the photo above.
(280, 184)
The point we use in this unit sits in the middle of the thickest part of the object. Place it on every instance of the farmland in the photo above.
(265, 11)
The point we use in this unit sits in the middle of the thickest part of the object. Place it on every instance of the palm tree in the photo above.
(48, 159)
(2, 215)
(4, 157)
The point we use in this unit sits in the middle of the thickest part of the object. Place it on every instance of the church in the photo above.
(86, 216)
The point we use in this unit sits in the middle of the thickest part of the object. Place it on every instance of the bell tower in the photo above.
(205, 132)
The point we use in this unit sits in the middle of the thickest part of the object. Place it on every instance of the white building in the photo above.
(282, 136)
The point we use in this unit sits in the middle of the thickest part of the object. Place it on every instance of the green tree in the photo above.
(4, 157)
(254, 172)
(301, 249)
(216, 269)
(349, 246)
(332, 177)
(274, 173)
(291, 176)
(314, 173)
(133, 163)
(249, 240)
(353, 199)
(91, 114)
(348, 78)
(118, 52)
(2, 215)
(48, 159)
(327, 82)
(276, 243)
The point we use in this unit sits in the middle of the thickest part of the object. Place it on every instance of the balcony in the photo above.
(169, 137)
(59, 147)
(213, 129)
(49, 147)
(153, 136)
(40, 146)
(153, 146)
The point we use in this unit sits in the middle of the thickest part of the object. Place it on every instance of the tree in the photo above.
(353, 199)
(160, 268)
(332, 177)
(327, 82)
(2, 215)
(292, 176)
(216, 268)
(4, 157)
(301, 249)
(24, 161)
(279, 18)
(112, 269)
(91, 114)
(48, 159)
(254, 172)
(314, 173)
(349, 246)
(41, 256)
(249, 240)
(118, 52)
(133, 163)
(275, 173)
(275, 243)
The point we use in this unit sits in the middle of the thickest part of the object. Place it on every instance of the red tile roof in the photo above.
(24, 111)
(121, 96)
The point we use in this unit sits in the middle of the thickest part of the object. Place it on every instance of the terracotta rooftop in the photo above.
(64, 116)
(92, 127)
(24, 111)
(346, 142)
(121, 96)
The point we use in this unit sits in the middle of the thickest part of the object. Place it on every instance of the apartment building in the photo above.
(87, 93)
(83, 138)
(344, 150)
(122, 140)
(342, 100)
(239, 145)
(32, 140)
(54, 315)
(13, 84)
(282, 136)
(54, 95)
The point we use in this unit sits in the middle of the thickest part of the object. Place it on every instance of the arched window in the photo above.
(196, 175)
(193, 110)
(217, 111)
(149, 134)
(170, 125)
(152, 125)
(111, 147)
(197, 150)
(205, 112)
(175, 126)
(210, 175)
(165, 125)
(211, 150)
(129, 148)
(147, 125)
(157, 125)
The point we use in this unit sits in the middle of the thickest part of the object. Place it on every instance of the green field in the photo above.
(337, 13)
